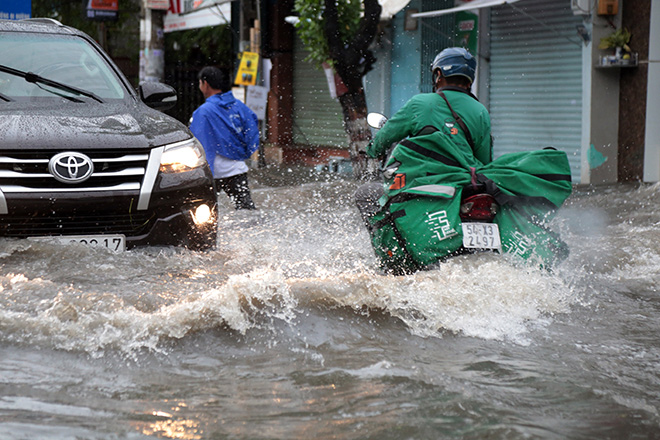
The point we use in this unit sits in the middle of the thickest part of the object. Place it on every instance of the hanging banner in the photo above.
(102, 9)
(247, 69)
(188, 14)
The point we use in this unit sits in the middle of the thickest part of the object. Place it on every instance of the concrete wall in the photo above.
(377, 82)
(600, 151)
(652, 134)
(632, 95)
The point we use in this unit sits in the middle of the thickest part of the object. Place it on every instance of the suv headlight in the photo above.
(182, 156)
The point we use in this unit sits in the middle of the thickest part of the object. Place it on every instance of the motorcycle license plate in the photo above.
(481, 235)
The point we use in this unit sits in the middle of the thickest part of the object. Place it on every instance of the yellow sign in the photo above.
(247, 69)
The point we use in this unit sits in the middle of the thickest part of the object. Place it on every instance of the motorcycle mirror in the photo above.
(376, 120)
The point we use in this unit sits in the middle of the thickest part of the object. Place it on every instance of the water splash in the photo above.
(271, 267)
(479, 295)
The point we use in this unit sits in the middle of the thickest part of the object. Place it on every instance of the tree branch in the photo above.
(368, 24)
(332, 34)
(353, 59)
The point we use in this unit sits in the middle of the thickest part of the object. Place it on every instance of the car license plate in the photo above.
(481, 235)
(114, 242)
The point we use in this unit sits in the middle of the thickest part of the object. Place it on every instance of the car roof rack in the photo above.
(44, 20)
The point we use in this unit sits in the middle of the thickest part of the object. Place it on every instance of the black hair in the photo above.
(217, 78)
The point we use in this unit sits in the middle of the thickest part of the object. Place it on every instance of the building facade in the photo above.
(541, 74)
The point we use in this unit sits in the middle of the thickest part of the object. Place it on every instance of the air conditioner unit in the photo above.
(581, 7)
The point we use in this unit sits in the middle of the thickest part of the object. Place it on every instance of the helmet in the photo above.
(455, 61)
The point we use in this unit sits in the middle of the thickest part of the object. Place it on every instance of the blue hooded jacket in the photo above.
(226, 126)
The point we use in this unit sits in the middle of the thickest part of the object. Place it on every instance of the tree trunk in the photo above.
(351, 61)
(354, 108)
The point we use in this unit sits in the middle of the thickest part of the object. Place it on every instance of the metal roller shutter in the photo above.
(317, 117)
(536, 78)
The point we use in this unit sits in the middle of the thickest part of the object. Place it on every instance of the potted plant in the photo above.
(617, 40)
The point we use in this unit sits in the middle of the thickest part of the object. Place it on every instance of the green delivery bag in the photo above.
(530, 187)
(418, 229)
(419, 223)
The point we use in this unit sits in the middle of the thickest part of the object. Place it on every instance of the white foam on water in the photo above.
(70, 322)
(479, 295)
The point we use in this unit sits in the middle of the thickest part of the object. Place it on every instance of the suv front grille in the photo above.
(27, 171)
(127, 224)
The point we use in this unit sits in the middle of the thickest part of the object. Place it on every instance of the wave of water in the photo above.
(479, 295)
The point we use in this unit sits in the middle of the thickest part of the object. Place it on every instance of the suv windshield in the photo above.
(66, 59)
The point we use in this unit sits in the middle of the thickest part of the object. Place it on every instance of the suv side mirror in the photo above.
(157, 95)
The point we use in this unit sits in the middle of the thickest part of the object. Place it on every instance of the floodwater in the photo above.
(289, 331)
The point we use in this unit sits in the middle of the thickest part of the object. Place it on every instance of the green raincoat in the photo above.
(429, 111)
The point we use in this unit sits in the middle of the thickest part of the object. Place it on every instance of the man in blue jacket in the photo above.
(229, 132)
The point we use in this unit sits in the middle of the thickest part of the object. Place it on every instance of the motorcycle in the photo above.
(450, 209)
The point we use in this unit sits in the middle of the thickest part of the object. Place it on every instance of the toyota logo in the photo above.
(71, 167)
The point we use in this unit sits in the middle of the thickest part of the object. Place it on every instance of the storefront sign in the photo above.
(247, 69)
(15, 9)
(102, 9)
(187, 14)
(467, 30)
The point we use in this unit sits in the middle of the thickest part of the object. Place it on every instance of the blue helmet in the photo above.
(455, 61)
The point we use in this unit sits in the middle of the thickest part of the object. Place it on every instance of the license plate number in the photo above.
(116, 242)
(481, 235)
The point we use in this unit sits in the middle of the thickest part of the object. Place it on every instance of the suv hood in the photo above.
(80, 126)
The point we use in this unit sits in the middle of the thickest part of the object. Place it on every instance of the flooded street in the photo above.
(289, 331)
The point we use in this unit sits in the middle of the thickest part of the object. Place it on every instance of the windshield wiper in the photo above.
(36, 79)
(62, 95)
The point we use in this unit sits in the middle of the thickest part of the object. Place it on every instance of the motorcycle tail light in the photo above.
(480, 207)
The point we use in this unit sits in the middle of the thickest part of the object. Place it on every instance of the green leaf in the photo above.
(311, 24)
(618, 38)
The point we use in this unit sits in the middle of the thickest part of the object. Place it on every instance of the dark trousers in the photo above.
(236, 187)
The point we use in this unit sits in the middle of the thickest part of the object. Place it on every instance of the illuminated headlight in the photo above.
(182, 156)
(202, 214)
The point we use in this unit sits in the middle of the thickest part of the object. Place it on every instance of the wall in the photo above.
(406, 60)
(377, 85)
(652, 134)
(632, 96)
(599, 154)
(280, 96)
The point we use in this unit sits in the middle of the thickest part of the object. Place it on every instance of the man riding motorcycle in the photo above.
(442, 167)
(451, 110)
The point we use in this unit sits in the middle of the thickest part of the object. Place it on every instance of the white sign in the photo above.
(257, 99)
(158, 4)
(203, 14)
